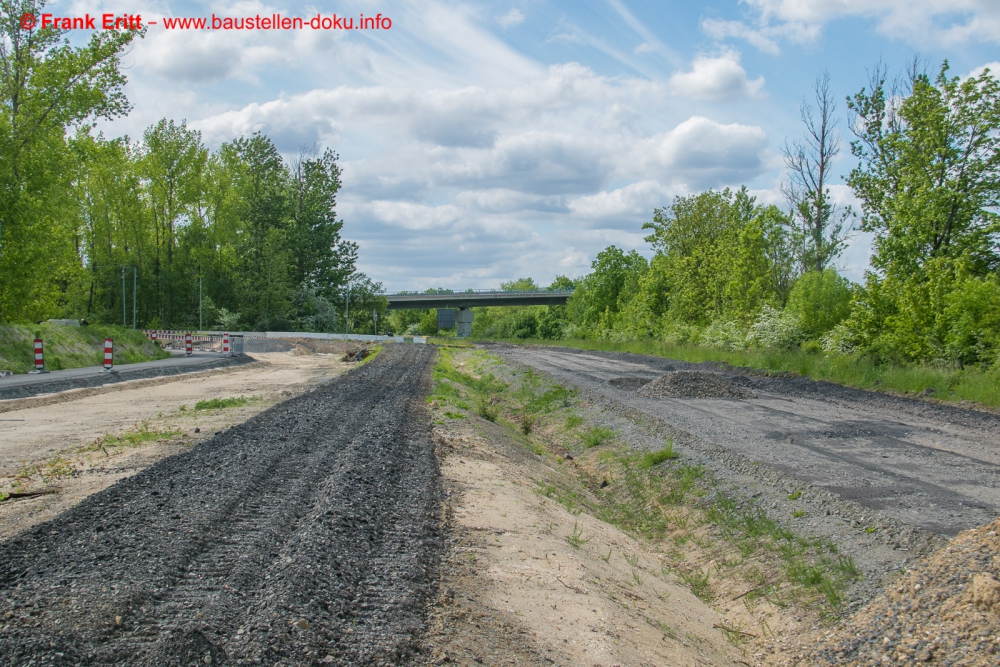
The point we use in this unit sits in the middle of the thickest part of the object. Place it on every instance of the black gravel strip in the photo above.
(123, 375)
(307, 535)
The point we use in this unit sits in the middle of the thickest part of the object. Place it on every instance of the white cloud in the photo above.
(701, 153)
(512, 18)
(937, 22)
(716, 78)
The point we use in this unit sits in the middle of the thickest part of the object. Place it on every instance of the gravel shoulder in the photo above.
(308, 534)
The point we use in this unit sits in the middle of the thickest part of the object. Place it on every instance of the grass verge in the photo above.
(707, 531)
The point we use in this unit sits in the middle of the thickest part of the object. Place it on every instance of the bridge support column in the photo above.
(464, 322)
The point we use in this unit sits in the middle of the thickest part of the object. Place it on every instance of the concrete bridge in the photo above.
(447, 304)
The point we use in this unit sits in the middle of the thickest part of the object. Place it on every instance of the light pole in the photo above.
(124, 296)
(135, 280)
(200, 325)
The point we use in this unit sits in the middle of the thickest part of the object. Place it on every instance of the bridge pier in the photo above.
(463, 323)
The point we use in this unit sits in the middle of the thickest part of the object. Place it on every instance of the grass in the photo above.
(946, 383)
(576, 539)
(136, 437)
(72, 347)
(650, 459)
(597, 436)
(221, 403)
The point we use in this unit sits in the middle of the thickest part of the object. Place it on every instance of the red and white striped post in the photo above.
(187, 345)
(39, 356)
(153, 336)
(109, 355)
(225, 344)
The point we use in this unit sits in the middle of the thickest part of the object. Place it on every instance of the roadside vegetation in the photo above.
(73, 347)
(229, 402)
(718, 543)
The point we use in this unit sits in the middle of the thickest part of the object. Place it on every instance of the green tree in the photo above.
(929, 181)
(47, 88)
(608, 288)
(172, 165)
(820, 300)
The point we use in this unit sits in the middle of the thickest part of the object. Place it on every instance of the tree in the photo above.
(821, 227)
(47, 88)
(605, 291)
(323, 260)
(172, 165)
(929, 181)
(929, 170)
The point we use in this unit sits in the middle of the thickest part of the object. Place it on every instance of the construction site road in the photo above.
(309, 534)
(927, 465)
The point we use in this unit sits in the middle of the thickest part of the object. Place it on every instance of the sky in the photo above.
(486, 141)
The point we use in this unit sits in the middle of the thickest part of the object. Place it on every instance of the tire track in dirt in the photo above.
(308, 534)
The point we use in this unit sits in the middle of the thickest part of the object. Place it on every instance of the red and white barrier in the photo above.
(225, 344)
(187, 345)
(109, 355)
(153, 336)
(39, 356)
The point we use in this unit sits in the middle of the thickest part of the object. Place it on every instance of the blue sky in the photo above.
(485, 141)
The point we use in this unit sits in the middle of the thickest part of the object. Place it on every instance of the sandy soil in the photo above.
(528, 582)
(43, 450)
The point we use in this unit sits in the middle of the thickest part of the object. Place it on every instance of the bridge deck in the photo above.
(476, 299)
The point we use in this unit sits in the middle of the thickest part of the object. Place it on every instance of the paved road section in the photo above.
(32, 384)
(930, 466)
(307, 535)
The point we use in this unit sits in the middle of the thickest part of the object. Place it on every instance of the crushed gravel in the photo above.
(308, 535)
(944, 611)
(694, 384)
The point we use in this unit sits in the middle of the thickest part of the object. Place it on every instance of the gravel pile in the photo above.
(944, 611)
(307, 535)
(694, 384)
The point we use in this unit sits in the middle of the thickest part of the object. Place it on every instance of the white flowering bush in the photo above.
(775, 330)
(727, 335)
(839, 339)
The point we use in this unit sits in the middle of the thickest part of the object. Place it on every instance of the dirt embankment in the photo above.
(72, 347)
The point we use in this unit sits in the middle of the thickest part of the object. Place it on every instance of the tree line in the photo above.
(728, 271)
(159, 230)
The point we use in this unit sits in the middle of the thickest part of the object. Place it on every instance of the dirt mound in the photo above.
(628, 384)
(694, 384)
(945, 610)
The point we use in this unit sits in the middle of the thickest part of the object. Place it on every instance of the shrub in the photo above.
(820, 300)
(775, 329)
(726, 335)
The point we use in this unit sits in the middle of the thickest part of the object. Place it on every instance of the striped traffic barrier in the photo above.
(39, 357)
(109, 355)
(187, 345)
(225, 344)
(153, 336)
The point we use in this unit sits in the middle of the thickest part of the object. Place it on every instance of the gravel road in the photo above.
(307, 535)
(934, 467)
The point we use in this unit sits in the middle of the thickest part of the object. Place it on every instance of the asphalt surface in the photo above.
(934, 467)
(307, 535)
(32, 384)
